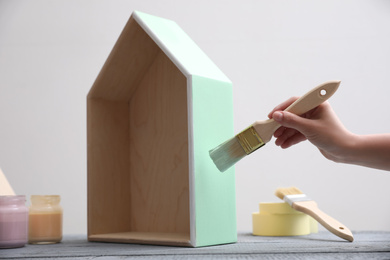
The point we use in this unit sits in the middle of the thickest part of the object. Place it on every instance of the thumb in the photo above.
(291, 120)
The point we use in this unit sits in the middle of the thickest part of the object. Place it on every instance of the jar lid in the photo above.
(10, 199)
(45, 199)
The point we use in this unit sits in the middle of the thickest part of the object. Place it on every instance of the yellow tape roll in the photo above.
(279, 219)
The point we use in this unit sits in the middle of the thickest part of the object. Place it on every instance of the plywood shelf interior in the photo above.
(140, 146)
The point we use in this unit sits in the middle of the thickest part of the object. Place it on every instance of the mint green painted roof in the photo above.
(179, 47)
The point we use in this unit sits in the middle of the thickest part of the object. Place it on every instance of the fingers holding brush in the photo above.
(287, 137)
(282, 106)
(291, 132)
(320, 126)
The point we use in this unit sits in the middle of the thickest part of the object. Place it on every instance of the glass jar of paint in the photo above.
(45, 219)
(13, 221)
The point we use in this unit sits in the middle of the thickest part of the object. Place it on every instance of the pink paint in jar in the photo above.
(13, 221)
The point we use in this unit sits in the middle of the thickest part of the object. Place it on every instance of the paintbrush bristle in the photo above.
(282, 192)
(233, 150)
(227, 154)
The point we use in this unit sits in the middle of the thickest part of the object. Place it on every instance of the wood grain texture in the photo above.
(174, 239)
(108, 167)
(138, 145)
(159, 151)
(324, 245)
(126, 65)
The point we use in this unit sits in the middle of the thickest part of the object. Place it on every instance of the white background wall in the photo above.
(52, 51)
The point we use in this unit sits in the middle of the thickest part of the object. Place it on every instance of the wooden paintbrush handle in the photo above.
(310, 208)
(314, 97)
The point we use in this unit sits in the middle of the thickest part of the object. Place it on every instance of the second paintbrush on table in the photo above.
(299, 201)
(258, 134)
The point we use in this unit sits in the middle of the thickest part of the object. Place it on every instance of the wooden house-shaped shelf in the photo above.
(156, 108)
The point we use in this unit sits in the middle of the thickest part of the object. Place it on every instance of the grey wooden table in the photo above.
(367, 245)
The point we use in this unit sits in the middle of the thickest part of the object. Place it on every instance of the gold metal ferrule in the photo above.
(250, 140)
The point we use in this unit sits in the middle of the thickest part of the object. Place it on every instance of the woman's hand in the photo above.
(322, 127)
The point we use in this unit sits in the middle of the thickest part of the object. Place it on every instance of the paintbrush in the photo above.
(258, 134)
(302, 203)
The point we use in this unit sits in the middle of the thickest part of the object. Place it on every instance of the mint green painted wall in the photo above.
(215, 200)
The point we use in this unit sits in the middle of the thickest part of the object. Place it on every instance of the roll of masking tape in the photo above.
(279, 219)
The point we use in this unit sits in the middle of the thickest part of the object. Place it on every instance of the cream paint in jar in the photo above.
(13, 221)
(45, 219)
